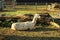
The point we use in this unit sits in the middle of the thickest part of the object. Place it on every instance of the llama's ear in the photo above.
(39, 17)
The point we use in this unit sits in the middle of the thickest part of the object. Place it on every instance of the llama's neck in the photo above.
(34, 19)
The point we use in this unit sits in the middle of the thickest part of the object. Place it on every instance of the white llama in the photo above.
(25, 25)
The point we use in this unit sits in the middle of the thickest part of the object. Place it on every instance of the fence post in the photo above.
(36, 5)
(46, 6)
(14, 3)
(25, 5)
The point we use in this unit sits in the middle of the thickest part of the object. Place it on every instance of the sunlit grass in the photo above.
(46, 31)
(20, 9)
(24, 10)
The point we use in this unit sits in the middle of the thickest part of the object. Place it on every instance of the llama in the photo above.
(25, 25)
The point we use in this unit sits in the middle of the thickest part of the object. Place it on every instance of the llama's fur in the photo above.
(25, 25)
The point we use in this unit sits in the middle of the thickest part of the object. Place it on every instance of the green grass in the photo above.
(42, 33)
(20, 9)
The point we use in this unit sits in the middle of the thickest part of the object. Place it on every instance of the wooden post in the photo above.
(25, 6)
(36, 5)
(46, 6)
(14, 3)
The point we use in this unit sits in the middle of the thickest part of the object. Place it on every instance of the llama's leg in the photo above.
(13, 27)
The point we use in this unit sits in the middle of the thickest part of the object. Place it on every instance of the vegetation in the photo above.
(37, 34)
(44, 32)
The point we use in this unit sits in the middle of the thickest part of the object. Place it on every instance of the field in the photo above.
(42, 33)
(29, 9)
(37, 34)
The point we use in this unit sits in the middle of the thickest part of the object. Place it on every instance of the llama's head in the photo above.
(36, 15)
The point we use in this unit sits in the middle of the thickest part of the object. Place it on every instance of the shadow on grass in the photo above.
(13, 37)
(57, 21)
(43, 29)
(14, 10)
(8, 10)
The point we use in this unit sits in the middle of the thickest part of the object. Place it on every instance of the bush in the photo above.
(6, 23)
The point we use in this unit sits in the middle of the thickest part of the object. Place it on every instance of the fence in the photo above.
(31, 6)
(27, 6)
(8, 4)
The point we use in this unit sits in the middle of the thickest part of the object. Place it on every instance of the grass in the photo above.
(21, 9)
(42, 33)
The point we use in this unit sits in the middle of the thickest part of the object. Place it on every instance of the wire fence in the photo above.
(26, 6)
(31, 6)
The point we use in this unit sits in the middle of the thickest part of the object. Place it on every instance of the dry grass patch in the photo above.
(37, 34)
